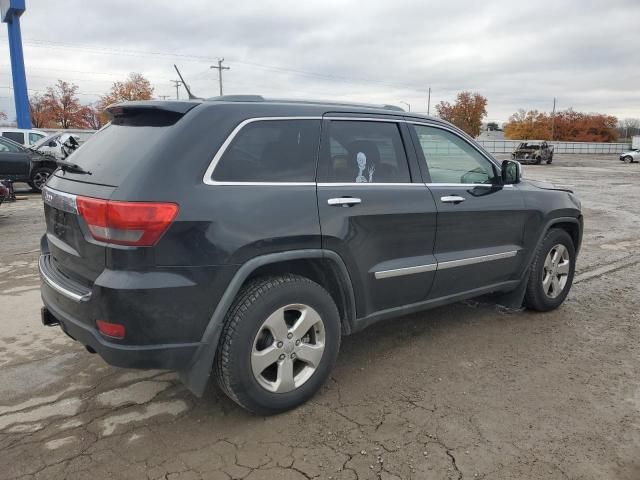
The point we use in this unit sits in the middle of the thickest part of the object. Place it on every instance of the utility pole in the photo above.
(220, 68)
(429, 101)
(407, 104)
(553, 120)
(177, 84)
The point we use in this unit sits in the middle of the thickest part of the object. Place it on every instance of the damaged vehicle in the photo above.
(21, 164)
(533, 152)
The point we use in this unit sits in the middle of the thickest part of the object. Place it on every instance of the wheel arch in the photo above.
(311, 263)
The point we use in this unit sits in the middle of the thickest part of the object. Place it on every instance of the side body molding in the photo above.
(196, 376)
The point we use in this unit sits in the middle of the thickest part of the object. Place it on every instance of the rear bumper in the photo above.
(168, 356)
(164, 313)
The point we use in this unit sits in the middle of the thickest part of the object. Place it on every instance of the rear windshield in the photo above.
(111, 153)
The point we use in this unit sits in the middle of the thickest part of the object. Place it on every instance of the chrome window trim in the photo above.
(59, 288)
(397, 272)
(207, 179)
(451, 130)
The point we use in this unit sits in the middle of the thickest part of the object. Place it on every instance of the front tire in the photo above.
(552, 271)
(628, 159)
(278, 345)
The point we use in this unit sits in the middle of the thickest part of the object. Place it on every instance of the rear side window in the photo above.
(271, 151)
(15, 136)
(364, 152)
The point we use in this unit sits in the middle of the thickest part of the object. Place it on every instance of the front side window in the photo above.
(271, 151)
(15, 136)
(34, 137)
(451, 159)
(364, 152)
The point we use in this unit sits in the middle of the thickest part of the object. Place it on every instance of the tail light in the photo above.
(139, 224)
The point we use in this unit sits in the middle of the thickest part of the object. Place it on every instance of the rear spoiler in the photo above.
(148, 113)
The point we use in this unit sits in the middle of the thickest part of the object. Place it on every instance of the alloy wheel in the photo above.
(288, 348)
(556, 271)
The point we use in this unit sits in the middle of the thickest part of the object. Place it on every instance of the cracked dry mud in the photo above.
(463, 391)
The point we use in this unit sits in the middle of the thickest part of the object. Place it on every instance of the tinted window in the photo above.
(451, 159)
(15, 136)
(34, 137)
(271, 151)
(8, 147)
(364, 152)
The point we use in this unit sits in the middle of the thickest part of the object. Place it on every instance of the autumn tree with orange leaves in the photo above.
(60, 107)
(567, 125)
(466, 113)
(135, 87)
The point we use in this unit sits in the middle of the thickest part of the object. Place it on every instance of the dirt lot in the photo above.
(464, 391)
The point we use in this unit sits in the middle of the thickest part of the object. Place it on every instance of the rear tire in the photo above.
(551, 273)
(628, 159)
(278, 345)
(38, 177)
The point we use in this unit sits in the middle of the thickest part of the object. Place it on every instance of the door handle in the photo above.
(344, 201)
(452, 199)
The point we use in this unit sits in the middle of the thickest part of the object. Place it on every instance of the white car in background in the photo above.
(23, 136)
(631, 156)
(53, 145)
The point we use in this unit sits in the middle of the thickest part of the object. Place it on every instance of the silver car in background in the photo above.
(630, 156)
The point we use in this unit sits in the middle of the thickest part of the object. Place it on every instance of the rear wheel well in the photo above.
(324, 272)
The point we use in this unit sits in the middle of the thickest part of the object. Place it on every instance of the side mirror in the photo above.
(511, 172)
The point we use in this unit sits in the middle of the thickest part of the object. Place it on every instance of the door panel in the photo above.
(382, 227)
(479, 240)
(480, 224)
(14, 165)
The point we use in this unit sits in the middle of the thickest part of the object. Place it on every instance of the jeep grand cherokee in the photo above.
(244, 237)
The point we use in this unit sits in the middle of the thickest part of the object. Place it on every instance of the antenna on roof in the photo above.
(186, 87)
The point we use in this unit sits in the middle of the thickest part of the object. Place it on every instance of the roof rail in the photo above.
(237, 98)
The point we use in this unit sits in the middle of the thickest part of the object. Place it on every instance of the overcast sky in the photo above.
(517, 54)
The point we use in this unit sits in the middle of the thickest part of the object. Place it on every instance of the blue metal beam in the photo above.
(11, 15)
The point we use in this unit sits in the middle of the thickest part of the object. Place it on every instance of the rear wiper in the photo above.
(72, 167)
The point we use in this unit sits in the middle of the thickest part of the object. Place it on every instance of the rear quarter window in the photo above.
(271, 151)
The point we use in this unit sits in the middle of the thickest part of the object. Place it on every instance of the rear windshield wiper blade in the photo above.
(72, 167)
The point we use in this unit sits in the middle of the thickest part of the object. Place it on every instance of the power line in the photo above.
(111, 51)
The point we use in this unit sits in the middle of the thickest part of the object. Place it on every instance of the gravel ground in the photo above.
(463, 391)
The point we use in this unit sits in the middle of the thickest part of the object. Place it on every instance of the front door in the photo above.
(479, 240)
(376, 212)
(15, 162)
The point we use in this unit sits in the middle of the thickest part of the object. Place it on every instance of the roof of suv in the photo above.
(274, 106)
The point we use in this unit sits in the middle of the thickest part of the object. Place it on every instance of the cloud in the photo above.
(519, 55)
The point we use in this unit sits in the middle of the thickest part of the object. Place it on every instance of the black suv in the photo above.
(244, 237)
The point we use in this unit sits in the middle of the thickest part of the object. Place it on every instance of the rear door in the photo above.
(375, 211)
(15, 161)
(480, 222)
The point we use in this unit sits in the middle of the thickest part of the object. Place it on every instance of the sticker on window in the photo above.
(361, 158)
